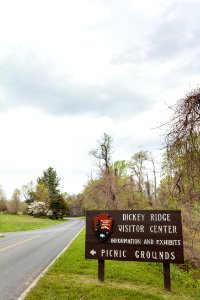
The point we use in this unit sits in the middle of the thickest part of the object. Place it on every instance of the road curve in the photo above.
(24, 255)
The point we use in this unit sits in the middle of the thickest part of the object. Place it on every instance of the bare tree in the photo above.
(103, 154)
(109, 183)
(152, 160)
(183, 166)
(137, 167)
(15, 201)
(3, 206)
(183, 146)
(28, 192)
(2, 194)
(148, 189)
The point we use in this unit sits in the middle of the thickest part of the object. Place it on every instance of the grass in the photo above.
(13, 223)
(73, 277)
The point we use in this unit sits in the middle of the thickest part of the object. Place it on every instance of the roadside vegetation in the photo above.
(133, 183)
(14, 223)
(42, 199)
(73, 277)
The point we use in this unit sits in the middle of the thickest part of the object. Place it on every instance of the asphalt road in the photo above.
(24, 255)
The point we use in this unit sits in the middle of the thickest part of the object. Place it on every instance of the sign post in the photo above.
(167, 281)
(139, 235)
(101, 270)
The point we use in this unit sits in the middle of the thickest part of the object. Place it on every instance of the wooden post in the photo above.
(167, 282)
(101, 270)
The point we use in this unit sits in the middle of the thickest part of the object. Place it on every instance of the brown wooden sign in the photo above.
(139, 235)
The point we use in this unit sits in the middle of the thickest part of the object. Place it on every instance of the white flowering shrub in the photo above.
(37, 208)
(49, 213)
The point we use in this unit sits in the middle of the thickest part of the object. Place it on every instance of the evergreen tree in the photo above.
(51, 181)
(47, 190)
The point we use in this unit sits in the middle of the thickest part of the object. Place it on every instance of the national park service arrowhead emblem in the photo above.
(102, 226)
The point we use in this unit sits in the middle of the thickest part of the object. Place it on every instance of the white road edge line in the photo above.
(33, 284)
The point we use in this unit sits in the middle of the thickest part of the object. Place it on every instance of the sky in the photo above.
(72, 70)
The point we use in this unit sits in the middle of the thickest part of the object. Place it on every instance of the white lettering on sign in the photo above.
(131, 228)
(148, 242)
(155, 255)
(125, 241)
(113, 253)
(160, 217)
(168, 242)
(133, 217)
(163, 229)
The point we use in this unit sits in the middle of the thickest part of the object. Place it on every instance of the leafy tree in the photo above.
(121, 167)
(58, 207)
(47, 190)
(42, 194)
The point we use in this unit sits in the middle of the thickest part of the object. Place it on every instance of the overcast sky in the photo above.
(72, 70)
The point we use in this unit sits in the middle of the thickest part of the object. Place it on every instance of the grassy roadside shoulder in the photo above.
(14, 223)
(73, 277)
